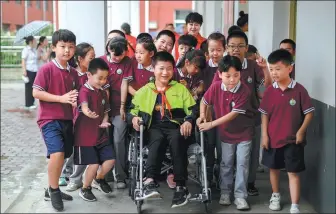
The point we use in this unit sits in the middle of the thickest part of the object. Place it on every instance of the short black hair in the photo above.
(163, 56)
(228, 62)
(52, 55)
(237, 34)
(144, 35)
(195, 57)
(217, 37)
(194, 17)
(97, 64)
(251, 50)
(63, 35)
(280, 55)
(118, 32)
(204, 46)
(243, 19)
(41, 40)
(126, 27)
(233, 28)
(118, 45)
(147, 43)
(29, 39)
(187, 40)
(166, 33)
(289, 41)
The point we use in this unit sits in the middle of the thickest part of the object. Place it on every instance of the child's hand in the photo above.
(299, 137)
(200, 120)
(205, 126)
(122, 114)
(70, 97)
(185, 129)
(91, 114)
(183, 82)
(265, 142)
(135, 122)
(74, 104)
(105, 125)
(261, 62)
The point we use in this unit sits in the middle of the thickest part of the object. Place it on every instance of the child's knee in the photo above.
(293, 175)
(93, 167)
(109, 163)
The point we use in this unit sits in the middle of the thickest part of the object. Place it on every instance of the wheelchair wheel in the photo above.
(139, 204)
(132, 183)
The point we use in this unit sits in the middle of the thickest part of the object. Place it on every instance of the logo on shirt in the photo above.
(233, 104)
(73, 84)
(249, 79)
(151, 79)
(119, 71)
(292, 102)
(103, 101)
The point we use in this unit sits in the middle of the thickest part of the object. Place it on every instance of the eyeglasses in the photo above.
(239, 47)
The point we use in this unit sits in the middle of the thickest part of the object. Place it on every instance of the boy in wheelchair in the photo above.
(166, 109)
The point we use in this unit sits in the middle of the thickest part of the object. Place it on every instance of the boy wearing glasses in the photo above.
(254, 74)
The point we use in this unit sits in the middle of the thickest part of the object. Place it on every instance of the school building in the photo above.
(310, 23)
(16, 13)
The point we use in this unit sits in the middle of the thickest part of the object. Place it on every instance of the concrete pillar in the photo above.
(123, 11)
(86, 19)
(213, 17)
(268, 24)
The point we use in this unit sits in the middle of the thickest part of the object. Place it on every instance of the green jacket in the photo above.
(181, 102)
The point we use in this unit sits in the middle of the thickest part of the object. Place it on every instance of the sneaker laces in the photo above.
(275, 198)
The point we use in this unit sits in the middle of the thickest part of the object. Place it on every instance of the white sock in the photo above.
(295, 206)
(277, 194)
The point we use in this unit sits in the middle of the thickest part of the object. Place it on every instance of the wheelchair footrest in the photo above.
(198, 198)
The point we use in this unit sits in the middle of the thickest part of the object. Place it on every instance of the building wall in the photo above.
(14, 13)
(163, 11)
(315, 69)
(315, 66)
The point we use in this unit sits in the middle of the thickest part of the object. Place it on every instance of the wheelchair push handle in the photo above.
(140, 122)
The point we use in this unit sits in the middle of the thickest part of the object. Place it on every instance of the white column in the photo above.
(268, 24)
(86, 19)
(26, 11)
(124, 11)
(54, 14)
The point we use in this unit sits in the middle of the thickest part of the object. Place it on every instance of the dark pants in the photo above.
(29, 88)
(160, 136)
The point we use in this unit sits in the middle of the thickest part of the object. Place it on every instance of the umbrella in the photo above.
(30, 29)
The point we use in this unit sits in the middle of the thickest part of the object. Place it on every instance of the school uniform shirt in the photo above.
(193, 82)
(87, 130)
(82, 79)
(142, 76)
(55, 79)
(225, 101)
(117, 73)
(252, 76)
(286, 111)
(209, 73)
(29, 54)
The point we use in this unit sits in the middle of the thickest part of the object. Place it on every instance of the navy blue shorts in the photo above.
(85, 155)
(58, 137)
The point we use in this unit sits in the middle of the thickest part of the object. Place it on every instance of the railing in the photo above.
(11, 55)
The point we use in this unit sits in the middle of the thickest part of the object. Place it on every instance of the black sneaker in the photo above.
(181, 197)
(150, 191)
(56, 199)
(101, 185)
(65, 197)
(109, 177)
(86, 194)
(251, 190)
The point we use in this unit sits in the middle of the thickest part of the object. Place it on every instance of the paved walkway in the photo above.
(23, 173)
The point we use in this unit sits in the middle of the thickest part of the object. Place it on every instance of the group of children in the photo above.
(214, 85)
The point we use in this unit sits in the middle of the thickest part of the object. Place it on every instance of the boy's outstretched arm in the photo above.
(222, 120)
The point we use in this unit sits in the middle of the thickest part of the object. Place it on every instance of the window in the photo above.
(179, 20)
(18, 1)
(38, 4)
(45, 5)
(29, 3)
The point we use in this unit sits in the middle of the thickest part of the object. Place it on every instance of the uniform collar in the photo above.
(87, 85)
(212, 64)
(244, 64)
(291, 84)
(233, 90)
(60, 66)
(79, 72)
(149, 68)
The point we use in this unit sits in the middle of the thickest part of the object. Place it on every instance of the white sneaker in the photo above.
(72, 187)
(275, 202)
(294, 209)
(225, 200)
(241, 204)
(32, 107)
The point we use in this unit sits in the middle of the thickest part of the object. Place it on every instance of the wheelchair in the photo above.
(137, 154)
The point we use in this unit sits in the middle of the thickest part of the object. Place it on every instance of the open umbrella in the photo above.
(30, 29)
